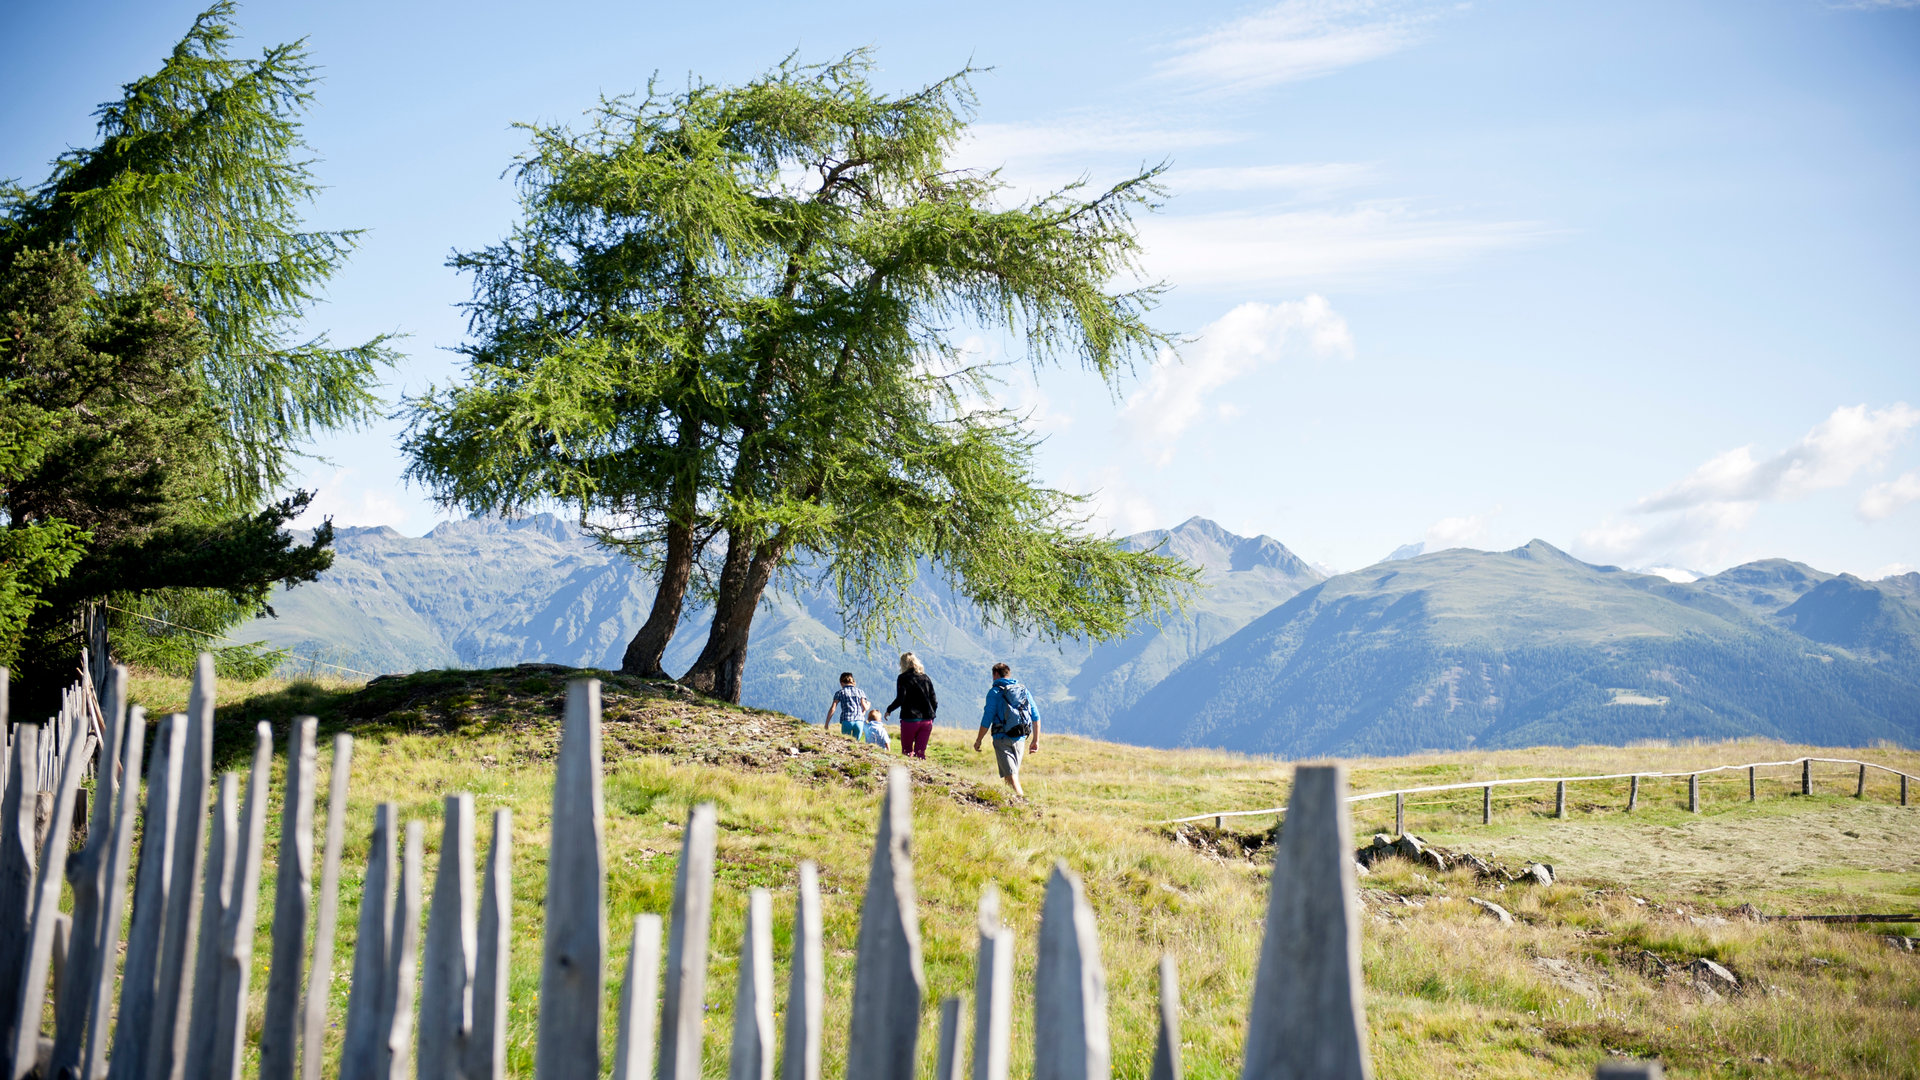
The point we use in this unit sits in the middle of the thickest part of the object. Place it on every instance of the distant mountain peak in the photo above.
(1407, 551)
(1210, 546)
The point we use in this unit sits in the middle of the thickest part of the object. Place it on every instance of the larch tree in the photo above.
(723, 329)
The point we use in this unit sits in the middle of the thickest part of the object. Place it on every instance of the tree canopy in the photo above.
(728, 313)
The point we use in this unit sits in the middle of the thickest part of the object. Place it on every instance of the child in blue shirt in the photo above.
(849, 704)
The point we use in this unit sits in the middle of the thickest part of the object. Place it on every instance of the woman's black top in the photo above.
(913, 696)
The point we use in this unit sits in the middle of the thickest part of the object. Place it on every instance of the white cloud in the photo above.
(350, 502)
(1466, 531)
(1891, 570)
(1250, 336)
(1303, 179)
(1294, 40)
(1883, 499)
(1116, 504)
(1852, 439)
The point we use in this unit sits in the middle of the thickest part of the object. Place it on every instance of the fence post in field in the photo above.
(486, 1053)
(403, 959)
(1903, 789)
(236, 929)
(313, 1021)
(292, 891)
(805, 995)
(992, 992)
(1753, 784)
(16, 862)
(42, 940)
(639, 996)
(888, 985)
(217, 894)
(1399, 814)
(96, 986)
(1166, 1048)
(1860, 789)
(173, 986)
(62, 938)
(949, 1061)
(1633, 793)
(1486, 805)
(572, 975)
(1806, 776)
(153, 891)
(1308, 1021)
(88, 872)
(446, 976)
(1693, 793)
(363, 1040)
(1560, 799)
(684, 1005)
(1069, 987)
(752, 1057)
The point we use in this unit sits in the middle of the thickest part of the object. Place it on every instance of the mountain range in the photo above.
(1433, 650)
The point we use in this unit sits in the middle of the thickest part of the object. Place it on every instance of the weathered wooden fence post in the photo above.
(572, 975)
(992, 993)
(1693, 793)
(1308, 1021)
(88, 873)
(1399, 814)
(639, 996)
(223, 849)
(949, 1062)
(1633, 793)
(888, 985)
(1860, 789)
(1070, 986)
(1806, 776)
(403, 958)
(16, 862)
(98, 986)
(173, 988)
(1166, 1048)
(805, 994)
(453, 940)
(487, 1048)
(752, 1057)
(1903, 789)
(1560, 799)
(313, 1023)
(153, 888)
(292, 892)
(683, 1007)
(1486, 805)
(1753, 784)
(45, 932)
(236, 929)
(360, 1050)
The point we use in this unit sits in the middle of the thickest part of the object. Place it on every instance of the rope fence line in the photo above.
(1690, 774)
(229, 641)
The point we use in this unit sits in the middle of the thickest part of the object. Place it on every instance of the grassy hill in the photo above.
(1593, 965)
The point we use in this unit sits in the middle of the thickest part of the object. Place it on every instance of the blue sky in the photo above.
(1635, 278)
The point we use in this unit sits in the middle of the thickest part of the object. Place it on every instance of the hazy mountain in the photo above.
(1463, 648)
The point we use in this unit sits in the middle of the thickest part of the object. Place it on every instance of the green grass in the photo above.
(1449, 991)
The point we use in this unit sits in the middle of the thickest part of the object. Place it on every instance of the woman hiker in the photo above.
(913, 696)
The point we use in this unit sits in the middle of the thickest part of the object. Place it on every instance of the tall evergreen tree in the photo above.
(728, 312)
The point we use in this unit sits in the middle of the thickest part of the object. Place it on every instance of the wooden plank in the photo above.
(800, 1060)
(992, 993)
(752, 1057)
(949, 1062)
(639, 997)
(1166, 1048)
(223, 850)
(47, 930)
(292, 897)
(99, 982)
(487, 1048)
(313, 1024)
(572, 986)
(237, 925)
(1070, 985)
(16, 864)
(403, 959)
(888, 984)
(173, 986)
(683, 1006)
(153, 888)
(1308, 1021)
(446, 976)
(88, 873)
(361, 1048)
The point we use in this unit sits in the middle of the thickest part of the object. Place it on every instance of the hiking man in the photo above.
(849, 704)
(1013, 719)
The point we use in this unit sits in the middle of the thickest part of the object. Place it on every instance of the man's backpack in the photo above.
(1021, 723)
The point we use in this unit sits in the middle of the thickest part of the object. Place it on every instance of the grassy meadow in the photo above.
(1592, 965)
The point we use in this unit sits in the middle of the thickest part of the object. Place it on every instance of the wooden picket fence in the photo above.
(182, 991)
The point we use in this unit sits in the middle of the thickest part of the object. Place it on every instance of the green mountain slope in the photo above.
(1531, 646)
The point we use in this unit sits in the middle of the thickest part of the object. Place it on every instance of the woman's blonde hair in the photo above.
(910, 662)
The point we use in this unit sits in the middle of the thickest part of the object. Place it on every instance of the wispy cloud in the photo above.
(1294, 40)
(1881, 500)
(1251, 336)
(1305, 180)
(1467, 530)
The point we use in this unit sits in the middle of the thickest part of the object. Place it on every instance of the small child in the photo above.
(849, 704)
(875, 731)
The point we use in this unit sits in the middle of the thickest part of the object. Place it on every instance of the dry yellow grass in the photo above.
(1450, 991)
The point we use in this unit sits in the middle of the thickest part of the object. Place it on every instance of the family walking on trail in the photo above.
(1011, 716)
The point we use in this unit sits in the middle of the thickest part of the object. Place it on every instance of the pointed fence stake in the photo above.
(313, 1022)
(683, 1006)
(992, 993)
(88, 873)
(236, 929)
(93, 1058)
(1070, 986)
(173, 986)
(446, 980)
(948, 1064)
(1308, 1021)
(16, 865)
(46, 934)
(486, 1054)
(292, 894)
(805, 996)
(888, 984)
(571, 976)
(153, 894)
(403, 959)
(752, 1057)
(1166, 1049)
(361, 1048)
(223, 851)
(639, 996)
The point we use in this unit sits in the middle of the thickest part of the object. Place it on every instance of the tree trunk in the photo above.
(649, 646)
(743, 580)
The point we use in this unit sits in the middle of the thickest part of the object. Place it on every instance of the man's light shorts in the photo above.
(1008, 753)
